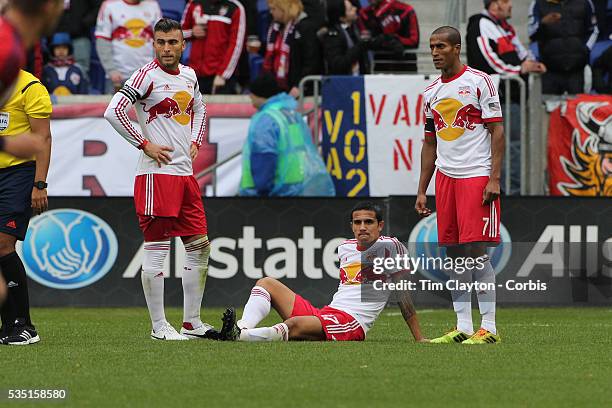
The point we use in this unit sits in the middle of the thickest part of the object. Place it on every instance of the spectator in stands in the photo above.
(78, 20)
(603, 11)
(217, 30)
(253, 45)
(492, 44)
(293, 49)
(344, 52)
(565, 30)
(602, 73)
(279, 158)
(124, 38)
(494, 48)
(62, 76)
(394, 28)
(315, 9)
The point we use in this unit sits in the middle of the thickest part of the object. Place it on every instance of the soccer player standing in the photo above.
(168, 201)
(464, 140)
(23, 188)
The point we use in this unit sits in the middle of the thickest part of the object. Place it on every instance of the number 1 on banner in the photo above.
(356, 97)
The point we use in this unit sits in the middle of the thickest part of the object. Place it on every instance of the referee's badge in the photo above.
(4, 120)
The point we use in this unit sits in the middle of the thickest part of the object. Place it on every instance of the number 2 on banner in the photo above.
(360, 184)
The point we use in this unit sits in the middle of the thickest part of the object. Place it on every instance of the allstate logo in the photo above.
(68, 249)
(423, 242)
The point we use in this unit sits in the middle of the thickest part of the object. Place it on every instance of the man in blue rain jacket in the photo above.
(279, 158)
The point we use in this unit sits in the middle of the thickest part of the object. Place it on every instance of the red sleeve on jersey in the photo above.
(408, 32)
(187, 21)
(493, 120)
(236, 42)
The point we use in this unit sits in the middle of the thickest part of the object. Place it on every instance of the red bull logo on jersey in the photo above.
(136, 33)
(179, 107)
(351, 274)
(452, 118)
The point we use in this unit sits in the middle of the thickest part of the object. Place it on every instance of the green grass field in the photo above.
(104, 358)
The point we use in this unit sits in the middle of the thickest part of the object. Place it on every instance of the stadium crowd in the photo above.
(99, 44)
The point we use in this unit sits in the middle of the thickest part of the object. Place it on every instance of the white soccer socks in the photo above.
(194, 280)
(152, 277)
(256, 309)
(462, 301)
(486, 298)
(278, 332)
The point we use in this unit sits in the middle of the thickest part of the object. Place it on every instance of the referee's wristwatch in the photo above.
(41, 185)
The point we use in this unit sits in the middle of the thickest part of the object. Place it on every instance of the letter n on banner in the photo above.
(344, 135)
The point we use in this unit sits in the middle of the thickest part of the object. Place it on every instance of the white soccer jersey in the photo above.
(348, 298)
(460, 108)
(130, 29)
(170, 112)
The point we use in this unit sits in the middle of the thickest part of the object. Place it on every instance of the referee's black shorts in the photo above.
(16, 183)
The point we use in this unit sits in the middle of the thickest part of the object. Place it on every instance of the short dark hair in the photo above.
(28, 7)
(453, 35)
(166, 25)
(368, 206)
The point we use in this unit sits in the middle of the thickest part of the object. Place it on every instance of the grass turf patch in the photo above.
(104, 357)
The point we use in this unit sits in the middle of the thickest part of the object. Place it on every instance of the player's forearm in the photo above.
(497, 151)
(199, 123)
(428, 165)
(43, 158)
(410, 316)
(116, 115)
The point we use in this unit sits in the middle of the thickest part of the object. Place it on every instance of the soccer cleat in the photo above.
(483, 336)
(167, 332)
(20, 335)
(230, 330)
(453, 336)
(206, 331)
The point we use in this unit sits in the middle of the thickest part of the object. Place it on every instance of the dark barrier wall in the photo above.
(85, 252)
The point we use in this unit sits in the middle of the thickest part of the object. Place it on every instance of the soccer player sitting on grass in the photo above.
(355, 305)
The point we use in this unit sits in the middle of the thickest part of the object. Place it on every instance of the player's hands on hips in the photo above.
(421, 206)
(491, 192)
(159, 153)
(39, 200)
(193, 151)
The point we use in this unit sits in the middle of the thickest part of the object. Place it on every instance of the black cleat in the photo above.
(4, 333)
(21, 335)
(229, 331)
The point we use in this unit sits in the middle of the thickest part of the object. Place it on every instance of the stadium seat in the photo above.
(535, 50)
(97, 76)
(172, 8)
(255, 63)
(599, 48)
